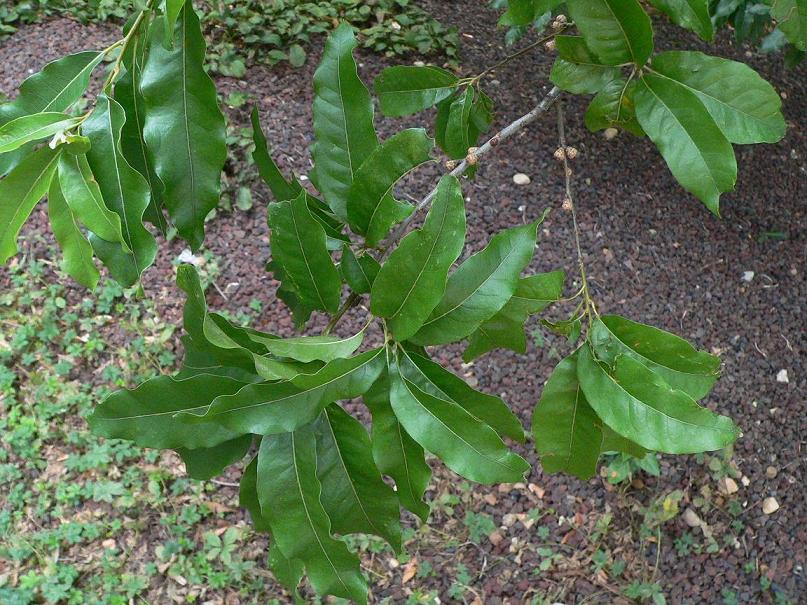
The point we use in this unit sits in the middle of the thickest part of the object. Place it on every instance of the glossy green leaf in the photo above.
(617, 31)
(639, 405)
(791, 17)
(208, 462)
(457, 140)
(745, 107)
(343, 120)
(480, 287)
(287, 292)
(434, 379)
(353, 493)
(403, 90)
(298, 244)
(60, 84)
(370, 207)
(76, 250)
(467, 446)
(123, 190)
(172, 10)
(81, 191)
(132, 141)
(524, 12)
(506, 329)
(150, 414)
(226, 344)
(413, 280)
(312, 348)
(697, 153)
(566, 430)
(268, 408)
(18, 132)
(281, 188)
(395, 453)
(691, 14)
(289, 494)
(614, 107)
(359, 272)
(248, 496)
(184, 128)
(20, 191)
(577, 69)
(614, 442)
(673, 358)
(288, 572)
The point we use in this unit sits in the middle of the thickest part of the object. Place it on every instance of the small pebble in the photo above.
(691, 518)
(771, 472)
(782, 377)
(770, 505)
(748, 275)
(521, 179)
(728, 486)
(610, 133)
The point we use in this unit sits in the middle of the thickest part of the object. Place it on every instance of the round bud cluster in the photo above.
(567, 204)
(550, 45)
(560, 22)
(571, 152)
(472, 158)
(560, 154)
(451, 164)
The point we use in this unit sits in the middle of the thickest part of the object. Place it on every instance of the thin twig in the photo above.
(501, 136)
(569, 203)
(517, 54)
(504, 134)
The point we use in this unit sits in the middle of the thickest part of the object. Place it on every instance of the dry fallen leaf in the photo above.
(410, 569)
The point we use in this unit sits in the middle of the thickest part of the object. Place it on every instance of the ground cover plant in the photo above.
(238, 382)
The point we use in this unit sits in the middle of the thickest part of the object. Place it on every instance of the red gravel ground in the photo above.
(655, 255)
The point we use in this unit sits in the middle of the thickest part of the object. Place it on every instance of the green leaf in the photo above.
(296, 55)
(614, 442)
(524, 12)
(76, 250)
(480, 287)
(457, 140)
(133, 145)
(20, 191)
(288, 572)
(281, 188)
(359, 273)
(298, 244)
(617, 31)
(745, 107)
(566, 430)
(312, 348)
(83, 195)
(226, 344)
(343, 120)
(170, 16)
(353, 493)
(466, 445)
(403, 90)
(691, 14)
(248, 496)
(395, 453)
(289, 493)
(60, 84)
(699, 156)
(577, 70)
(413, 280)
(150, 414)
(208, 462)
(434, 379)
(18, 132)
(791, 16)
(123, 189)
(673, 358)
(370, 207)
(268, 408)
(506, 329)
(184, 128)
(637, 403)
(614, 107)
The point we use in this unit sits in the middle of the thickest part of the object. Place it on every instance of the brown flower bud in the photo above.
(550, 45)
(451, 164)
(560, 154)
(472, 158)
(571, 152)
(567, 204)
